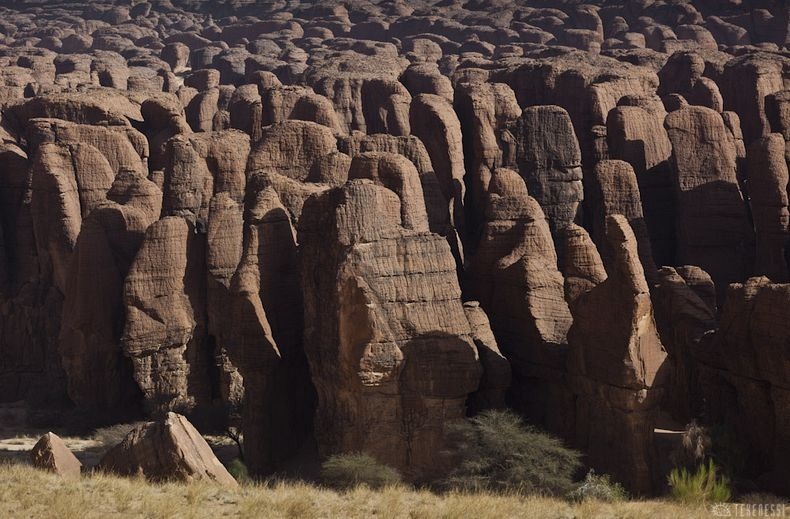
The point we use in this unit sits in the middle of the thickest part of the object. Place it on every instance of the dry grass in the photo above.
(26, 492)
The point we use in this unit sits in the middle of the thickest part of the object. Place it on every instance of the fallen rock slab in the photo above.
(166, 450)
(50, 453)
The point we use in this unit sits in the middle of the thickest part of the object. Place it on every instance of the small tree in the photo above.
(221, 417)
(233, 430)
(495, 450)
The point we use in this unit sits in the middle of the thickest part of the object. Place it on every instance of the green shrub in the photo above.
(599, 488)
(344, 471)
(496, 451)
(238, 470)
(702, 486)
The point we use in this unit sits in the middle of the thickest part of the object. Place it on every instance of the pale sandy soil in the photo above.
(17, 439)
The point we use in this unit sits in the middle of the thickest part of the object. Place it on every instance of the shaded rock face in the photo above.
(262, 335)
(253, 269)
(50, 453)
(387, 374)
(484, 110)
(636, 134)
(586, 85)
(99, 376)
(614, 191)
(103, 242)
(164, 335)
(777, 112)
(685, 310)
(746, 82)
(547, 156)
(744, 376)
(713, 230)
(616, 365)
(436, 124)
(683, 75)
(168, 449)
(767, 181)
(353, 223)
(496, 377)
(514, 275)
(30, 365)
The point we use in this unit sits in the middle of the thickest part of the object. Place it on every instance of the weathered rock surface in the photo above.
(744, 376)
(685, 310)
(50, 453)
(435, 122)
(352, 223)
(484, 110)
(514, 275)
(99, 376)
(683, 75)
(585, 84)
(767, 181)
(167, 449)
(713, 231)
(614, 191)
(164, 300)
(547, 155)
(496, 369)
(583, 268)
(636, 134)
(397, 358)
(616, 365)
(746, 82)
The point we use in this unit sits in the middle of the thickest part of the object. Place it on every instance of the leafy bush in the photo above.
(496, 451)
(350, 470)
(238, 470)
(702, 486)
(600, 488)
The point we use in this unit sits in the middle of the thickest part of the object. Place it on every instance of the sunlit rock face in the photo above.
(338, 227)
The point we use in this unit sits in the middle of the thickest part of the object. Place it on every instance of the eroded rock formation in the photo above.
(354, 223)
(616, 365)
(391, 351)
(167, 449)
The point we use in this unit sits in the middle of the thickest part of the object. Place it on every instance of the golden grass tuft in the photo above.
(27, 492)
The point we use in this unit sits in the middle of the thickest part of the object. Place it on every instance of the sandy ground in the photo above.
(17, 439)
